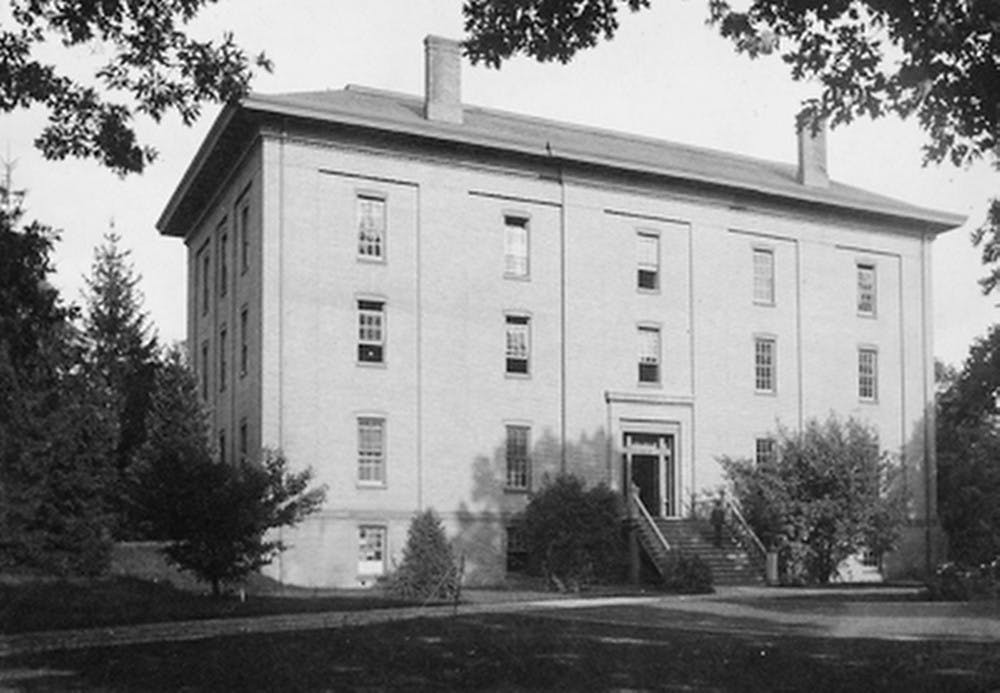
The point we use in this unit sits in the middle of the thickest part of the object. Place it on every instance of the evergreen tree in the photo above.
(428, 567)
(122, 357)
(54, 441)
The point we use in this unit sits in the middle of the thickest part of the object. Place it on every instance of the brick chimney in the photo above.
(442, 79)
(812, 156)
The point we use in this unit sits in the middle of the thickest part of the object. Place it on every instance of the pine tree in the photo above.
(123, 359)
(54, 441)
(428, 567)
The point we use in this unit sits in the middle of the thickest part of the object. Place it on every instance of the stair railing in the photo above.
(744, 533)
(645, 519)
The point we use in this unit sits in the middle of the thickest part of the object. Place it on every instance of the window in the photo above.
(866, 289)
(222, 359)
(371, 550)
(518, 460)
(764, 349)
(648, 256)
(223, 260)
(371, 450)
(243, 230)
(868, 374)
(371, 331)
(649, 355)
(763, 276)
(517, 550)
(371, 227)
(206, 266)
(518, 344)
(515, 247)
(204, 370)
(244, 354)
(222, 447)
(244, 443)
(765, 452)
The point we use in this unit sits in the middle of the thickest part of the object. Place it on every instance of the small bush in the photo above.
(573, 536)
(956, 582)
(688, 574)
(428, 567)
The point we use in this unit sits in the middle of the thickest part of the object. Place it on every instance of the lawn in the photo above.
(52, 605)
(521, 652)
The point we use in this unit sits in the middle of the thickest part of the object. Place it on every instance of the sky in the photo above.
(665, 75)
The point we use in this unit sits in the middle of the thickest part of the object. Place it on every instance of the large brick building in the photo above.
(435, 305)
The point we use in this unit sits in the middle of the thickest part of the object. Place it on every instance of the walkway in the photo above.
(849, 613)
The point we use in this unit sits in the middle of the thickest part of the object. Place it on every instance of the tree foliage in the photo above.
(968, 439)
(54, 437)
(828, 493)
(217, 518)
(573, 535)
(122, 356)
(428, 569)
(154, 67)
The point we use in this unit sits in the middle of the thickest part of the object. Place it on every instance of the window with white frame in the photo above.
(371, 450)
(765, 450)
(764, 362)
(244, 350)
(371, 227)
(518, 344)
(223, 366)
(244, 442)
(763, 276)
(371, 331)
(868, 374)
(518, 459)
(648, 260)
(649, 354)
(866, 289)
(223, 259)
(371, 550)
(515, 246)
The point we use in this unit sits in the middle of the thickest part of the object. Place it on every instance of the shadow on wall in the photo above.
(492, 504)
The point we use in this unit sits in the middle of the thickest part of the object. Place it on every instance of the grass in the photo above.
(518, 652)
(52, 605)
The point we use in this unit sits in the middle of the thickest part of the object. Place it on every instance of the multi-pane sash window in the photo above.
(244, 351)
(868, 374)
(764, 374)
(243, 219)
(371, 331)
(371, 450)
(222, 359)
(518, 461)
(371, 227)
(244, 443)
(648, 256)
(765, 450)
(649, 355)
(223, 262)
(763, 276)
(204, 370)
(515, 246)
(371, 550)
(866, 289)
(518, 348)
(206, 266)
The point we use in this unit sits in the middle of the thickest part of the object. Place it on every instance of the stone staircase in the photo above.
(730, 564)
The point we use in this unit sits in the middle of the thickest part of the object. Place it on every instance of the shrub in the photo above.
(427, 570)
(574, 536)
(688, 574)
(957, 582)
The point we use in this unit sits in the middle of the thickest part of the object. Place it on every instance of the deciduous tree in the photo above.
(154, 67)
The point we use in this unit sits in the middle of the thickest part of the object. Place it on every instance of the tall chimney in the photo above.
(812, 155)
(442, 79)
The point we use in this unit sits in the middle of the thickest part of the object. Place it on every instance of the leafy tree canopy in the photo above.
(154, 67)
